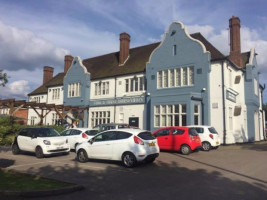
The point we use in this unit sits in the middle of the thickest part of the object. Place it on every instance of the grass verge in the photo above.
(14, 181)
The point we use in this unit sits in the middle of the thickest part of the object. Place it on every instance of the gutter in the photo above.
(223, 97)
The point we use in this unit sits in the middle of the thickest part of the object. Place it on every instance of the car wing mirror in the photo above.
(91, 141)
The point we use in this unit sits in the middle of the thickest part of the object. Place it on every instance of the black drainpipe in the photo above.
(223, 97)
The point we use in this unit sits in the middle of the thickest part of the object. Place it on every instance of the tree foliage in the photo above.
(3, 78)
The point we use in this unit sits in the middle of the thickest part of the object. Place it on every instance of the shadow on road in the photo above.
(159, 180)
(4, 163)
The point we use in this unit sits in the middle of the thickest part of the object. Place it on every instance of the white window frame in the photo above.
(135, 84)
(74, 89)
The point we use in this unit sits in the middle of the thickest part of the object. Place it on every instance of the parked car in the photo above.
(105, 127)
(43, 141)
(178, 138)
(78, 135)
(127, 145)
(209, 137)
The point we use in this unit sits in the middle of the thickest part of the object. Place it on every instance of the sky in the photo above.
(36, 33)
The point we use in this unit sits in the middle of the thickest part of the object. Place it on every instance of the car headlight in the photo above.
(46, 142)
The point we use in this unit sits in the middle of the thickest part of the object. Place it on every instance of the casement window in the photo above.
(196, 114)
(33, 120)
(256, 87)
(101, 88)
(74, 90)
(55, 94)
(134, 84)
(230, 118)
(55, 118)
(179, 77)
(170, 115)
(100, 117)
(36, 99)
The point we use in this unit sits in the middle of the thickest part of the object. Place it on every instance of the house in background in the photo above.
(182, 80)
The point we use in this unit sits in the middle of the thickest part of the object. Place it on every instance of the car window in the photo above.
(107, 136)
(192, 132)
(213, 130)
(199, 130)
(66, 133)
(163, 132)
(146, 136)
(123, 126)
(91, 132)
(76, 132)
(23, 132)
(178, 131)
(96, 128)
(122, 135)
(46, 132)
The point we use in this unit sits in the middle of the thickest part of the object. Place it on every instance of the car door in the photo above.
(66, 134)
(74, 137)
(178, 138)
(27, 140)
(102, 146)
(164, 138)
(22, 139)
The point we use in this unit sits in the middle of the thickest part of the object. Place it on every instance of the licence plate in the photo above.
(152, 144)
(217, 142)
(59, 147)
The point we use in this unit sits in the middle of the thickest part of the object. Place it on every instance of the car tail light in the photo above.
(84, 136)
(211, 136)
(138, 140)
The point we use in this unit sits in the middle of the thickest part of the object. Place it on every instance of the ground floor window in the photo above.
(55, 118)
(100, 117)
(170, 115)
(196, 114)
(33, 120)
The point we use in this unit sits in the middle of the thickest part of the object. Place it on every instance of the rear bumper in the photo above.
(152, 156)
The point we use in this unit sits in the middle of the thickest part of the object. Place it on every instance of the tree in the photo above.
(3, 78)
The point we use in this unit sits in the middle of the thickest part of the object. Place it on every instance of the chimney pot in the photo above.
(235, 44)
(48, 74)
(124, 47)
(68, 61)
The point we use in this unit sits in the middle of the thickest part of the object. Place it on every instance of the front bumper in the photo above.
(55, 149)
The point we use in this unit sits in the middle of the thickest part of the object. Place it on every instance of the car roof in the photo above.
(200, 126)
(81, 129)
(128, 130)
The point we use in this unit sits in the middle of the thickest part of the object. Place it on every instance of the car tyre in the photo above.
(206, 146)
(15, 149)
(39, 152)
(82, 156)
(129, 160)
(185, 149)
(151, 160)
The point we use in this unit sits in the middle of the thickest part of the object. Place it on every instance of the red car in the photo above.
(178, 138)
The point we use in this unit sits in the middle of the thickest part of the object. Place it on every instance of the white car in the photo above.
(127, 145)
(41, 140)
(78, 135)
(209, 137)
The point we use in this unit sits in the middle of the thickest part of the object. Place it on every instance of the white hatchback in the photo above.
(127, 145)
(209, 137)
(78, 135)
(41, 140)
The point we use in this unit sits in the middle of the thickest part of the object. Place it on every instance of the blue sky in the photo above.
(35, 33)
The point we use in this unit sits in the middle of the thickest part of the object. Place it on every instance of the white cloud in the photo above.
(22, 49)
(17, 89)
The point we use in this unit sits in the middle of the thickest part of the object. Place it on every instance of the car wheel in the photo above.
(185, 149)
(206, 146)
(39, 152)
(128, 160)
(82, 156)
(15, 149)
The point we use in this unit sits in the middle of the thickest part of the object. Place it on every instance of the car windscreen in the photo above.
(46, 132)
(91, 132)
(192, 132)
(146, 136)
(213, 130)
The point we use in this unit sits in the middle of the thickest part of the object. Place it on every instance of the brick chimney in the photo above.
(124, 47)
(68, 62)
(48, 74)
(235, 45)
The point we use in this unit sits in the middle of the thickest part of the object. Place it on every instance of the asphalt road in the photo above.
(231, 172)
